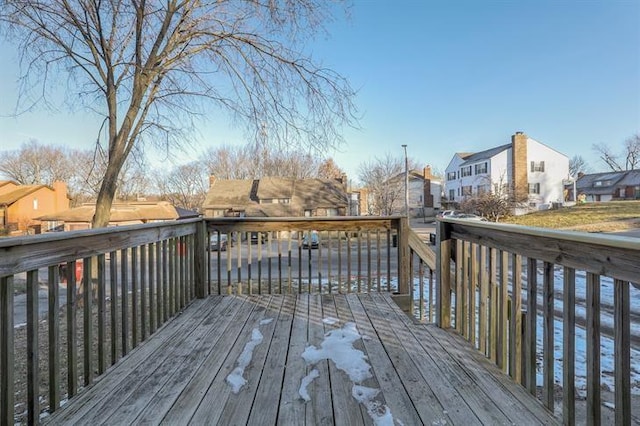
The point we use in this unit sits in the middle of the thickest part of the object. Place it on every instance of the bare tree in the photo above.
(144, 66)
(628, 160)
(36, 164)
(497, 201)
(185, 186)
(329, 170)
(577, 164)
(385, 189)
(632, 151)
(242, 162)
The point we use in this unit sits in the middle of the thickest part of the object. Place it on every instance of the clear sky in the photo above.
(443, 77)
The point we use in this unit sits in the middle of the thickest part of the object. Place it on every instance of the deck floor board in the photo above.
(424, 375)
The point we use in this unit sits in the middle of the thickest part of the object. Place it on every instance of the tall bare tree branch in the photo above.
(148, 66)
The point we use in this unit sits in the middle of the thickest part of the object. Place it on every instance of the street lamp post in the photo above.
(406, 182)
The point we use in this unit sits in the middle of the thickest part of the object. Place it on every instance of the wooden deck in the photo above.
(425, 375)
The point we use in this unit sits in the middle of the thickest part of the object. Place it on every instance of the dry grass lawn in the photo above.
(592, 217)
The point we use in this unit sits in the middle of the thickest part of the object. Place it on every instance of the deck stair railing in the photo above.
(510, 290)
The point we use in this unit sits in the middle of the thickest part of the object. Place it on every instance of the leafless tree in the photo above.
(632, 151)
(184, 186)
(36, 164)
(628, 160)
(499, 200)
(242, 162)
(329, 170)
(144, 66)
(577, 164)
(382, 178)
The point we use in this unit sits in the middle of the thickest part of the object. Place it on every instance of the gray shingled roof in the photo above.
(485, 155)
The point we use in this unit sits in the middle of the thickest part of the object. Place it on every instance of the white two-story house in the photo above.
(524, 165)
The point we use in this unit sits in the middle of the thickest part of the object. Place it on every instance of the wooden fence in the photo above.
(496, 287)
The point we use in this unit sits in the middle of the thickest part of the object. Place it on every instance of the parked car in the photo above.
(310, 240)
(258, 236)
(469, 216)
(216, 244)
(448, 213)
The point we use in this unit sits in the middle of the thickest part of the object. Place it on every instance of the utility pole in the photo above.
(406, 182)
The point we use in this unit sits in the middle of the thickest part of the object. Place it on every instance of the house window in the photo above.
(35, 204)
(308, 213)
(465, 171)
(483, 189)
(597, 183)
(451, 176)
(467, 191)
(481, 168)
(534, 188)
(452, 194)
(623, 193)
(537, 166)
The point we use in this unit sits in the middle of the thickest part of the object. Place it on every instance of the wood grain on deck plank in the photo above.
(178, 376)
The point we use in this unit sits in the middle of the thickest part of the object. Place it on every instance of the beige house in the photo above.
(22, 205)
(129, 213)
(276, 197)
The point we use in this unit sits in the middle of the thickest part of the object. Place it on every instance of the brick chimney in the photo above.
(426, 172)
(519, 164)
(60, 196)
(427, 196)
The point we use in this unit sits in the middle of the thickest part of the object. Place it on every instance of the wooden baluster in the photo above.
(33, 349)
(72, 327)
(53, 283)
(7, 349)
(622, 352)
(484, 297)
(569, 348)
(87, 320)
(532, 313)
(593, 349)
(113, 304)
(515, 339)
(548, 336)
(102, 314)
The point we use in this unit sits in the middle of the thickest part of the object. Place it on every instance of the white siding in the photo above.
(556, 168)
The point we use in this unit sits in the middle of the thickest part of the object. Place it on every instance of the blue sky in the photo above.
(444, 76)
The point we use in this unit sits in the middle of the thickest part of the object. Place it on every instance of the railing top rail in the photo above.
(599, 239)
(21, 254)
(613, 256)
(320, 223)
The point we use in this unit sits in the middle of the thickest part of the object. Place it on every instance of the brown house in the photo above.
(276, 197)
(130, 213)
(22, 205)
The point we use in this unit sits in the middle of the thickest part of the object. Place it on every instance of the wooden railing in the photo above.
(143, 275)
(140, 277)
(494, 284)
(269, 255)
(496, 287)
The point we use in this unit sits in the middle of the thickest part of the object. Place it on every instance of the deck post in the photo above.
(443, 274)
(403, 256)
(200, 261)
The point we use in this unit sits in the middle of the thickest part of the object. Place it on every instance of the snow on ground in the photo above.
(606, 320)
(337, 346)
(235, 379)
